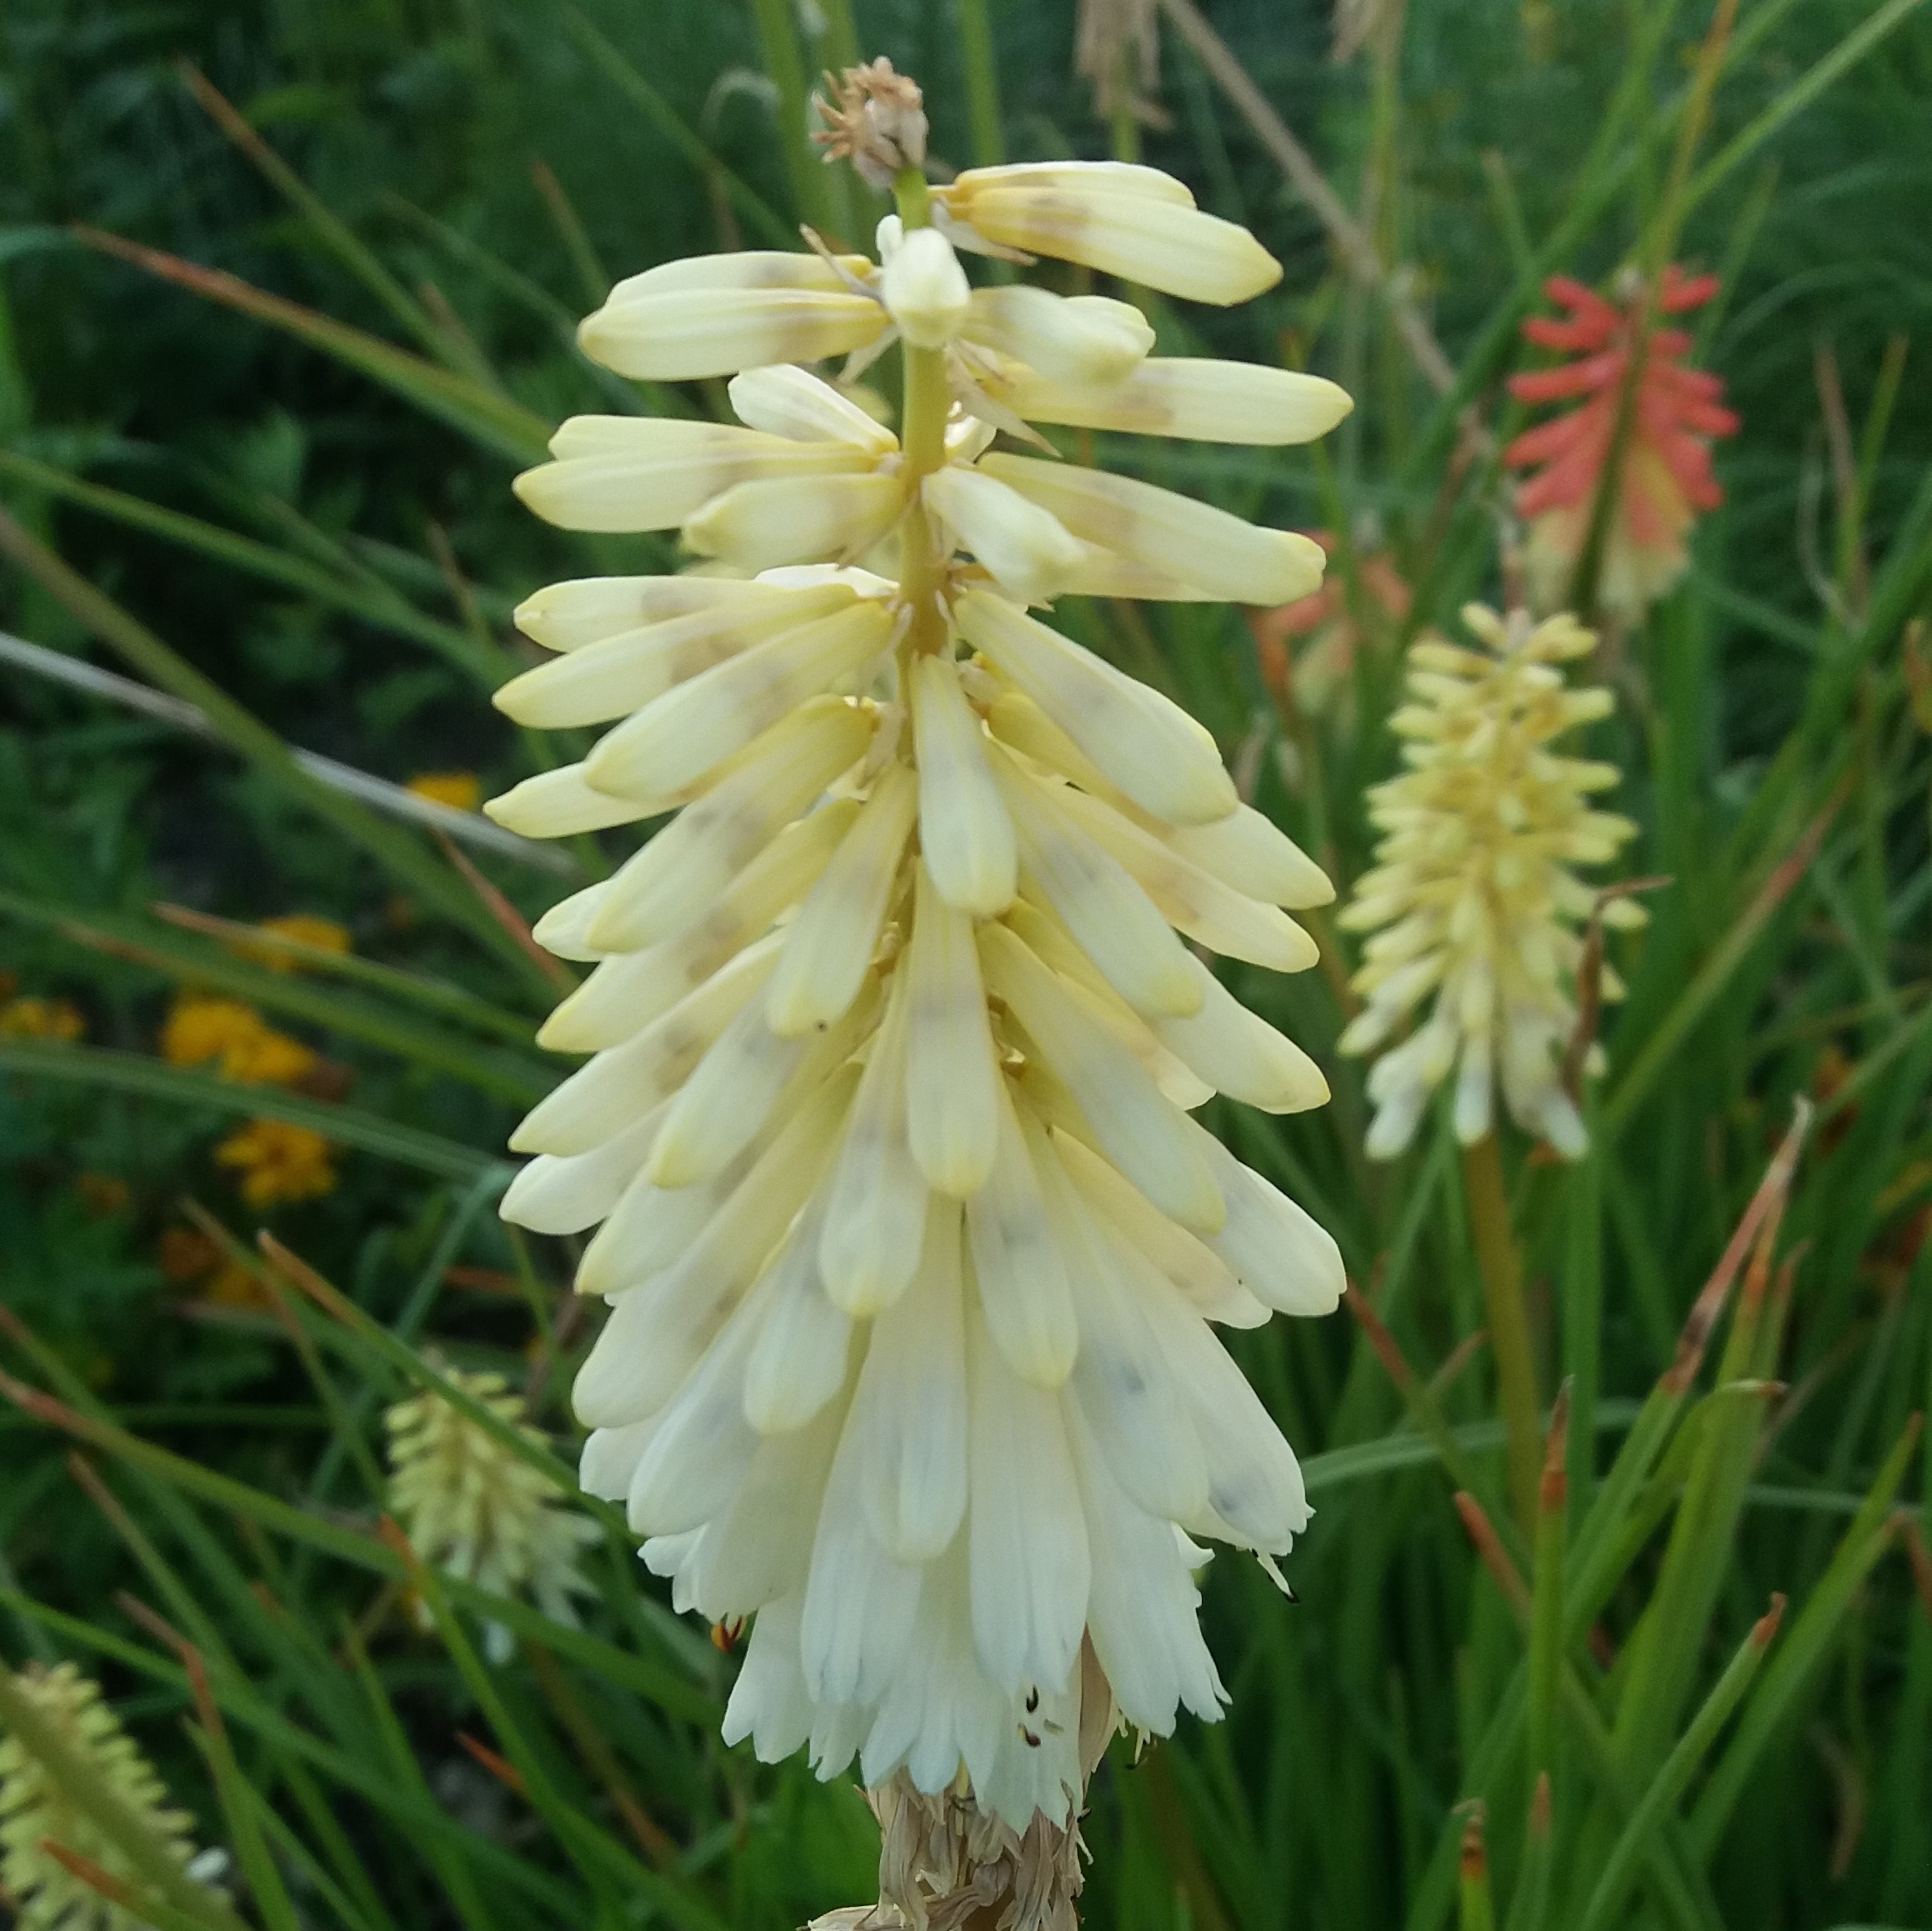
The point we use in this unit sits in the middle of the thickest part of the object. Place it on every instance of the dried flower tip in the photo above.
(1117, 51)
(876, 119)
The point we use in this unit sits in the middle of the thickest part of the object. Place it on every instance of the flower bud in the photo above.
(925, 288)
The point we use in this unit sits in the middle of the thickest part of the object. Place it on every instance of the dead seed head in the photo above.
(876, 119)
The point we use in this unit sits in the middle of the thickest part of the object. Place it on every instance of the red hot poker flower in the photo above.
(1666, 478)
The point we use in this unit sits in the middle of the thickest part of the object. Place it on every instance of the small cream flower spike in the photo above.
(35, 1808)
(912, 1249)
(470, 1507)
(1473, 899)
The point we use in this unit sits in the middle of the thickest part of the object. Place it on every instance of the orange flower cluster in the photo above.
(1666, 478)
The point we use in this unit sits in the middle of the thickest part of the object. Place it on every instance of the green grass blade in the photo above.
(346, 1126)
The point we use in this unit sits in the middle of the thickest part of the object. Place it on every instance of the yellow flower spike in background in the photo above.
(35, 1807)
(1474, 903)
(471, 1508)
(912, 1249)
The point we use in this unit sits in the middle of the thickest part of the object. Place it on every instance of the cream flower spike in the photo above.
(1473, 901)
(913, 1254)
(35, 1807)
(470, 1507)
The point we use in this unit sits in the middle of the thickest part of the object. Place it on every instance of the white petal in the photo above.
(1021, 544)
(1080, 339)
(567, 1194)
(684, 334)
(1121, 1384)
(1239, 1055)
(681, 873)
(859, 1604)
(798, 1363)
(1148, 1137)
(1204, 1280)
(924, 288)
(757, 526)
(622, 673)
(785, 400)
(831, 942)
(965, 835)
(559, 804)
(876, 1199)
(1209, 912)
(619, 1087)
(1017, 1264)
(769, 1702)
(1275, 1247)
(620, 473)
(695, 727)
(952, 1075)
(912, 1403)
(1114, 921)
(1151, 748)
(587, 609)
(1119, 227)
(1027, 1535)
(733, 1090)
(1192, 542)
(1143, 1612)
(1191, 398)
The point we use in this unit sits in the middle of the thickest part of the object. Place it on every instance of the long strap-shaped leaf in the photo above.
(347, 1126)
(492, 420)
(395, 851)
(195, 962)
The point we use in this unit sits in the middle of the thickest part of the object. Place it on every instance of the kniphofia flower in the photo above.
(1664, 481)
(911, 1248)
(1474, 902)
(36, 1806)
(475, 1508)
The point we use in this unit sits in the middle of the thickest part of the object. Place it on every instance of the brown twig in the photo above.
(1352, 242)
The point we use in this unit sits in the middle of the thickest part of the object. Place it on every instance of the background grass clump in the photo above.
(286, 293)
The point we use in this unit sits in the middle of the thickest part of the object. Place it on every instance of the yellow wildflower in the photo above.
(1474, 902)
(31, 1017)
(305, 928)
(238, 1038)
(458, 789)
(278, 1161)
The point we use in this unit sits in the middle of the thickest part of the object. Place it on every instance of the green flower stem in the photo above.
(982, 84)
(1502, 1272)
(927, 398)
(89, 1792)
(783, 62)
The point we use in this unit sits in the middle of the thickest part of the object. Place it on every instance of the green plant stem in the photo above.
(1661, 1794)
(1508, 1321)
(982, 83)
(810, 188)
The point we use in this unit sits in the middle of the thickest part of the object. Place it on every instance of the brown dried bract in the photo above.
(876, 119)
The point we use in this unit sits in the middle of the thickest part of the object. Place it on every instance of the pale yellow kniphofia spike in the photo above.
(883, 1152)
(1474, 902)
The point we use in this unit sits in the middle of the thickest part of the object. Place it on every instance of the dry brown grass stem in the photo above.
(1352, 242)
